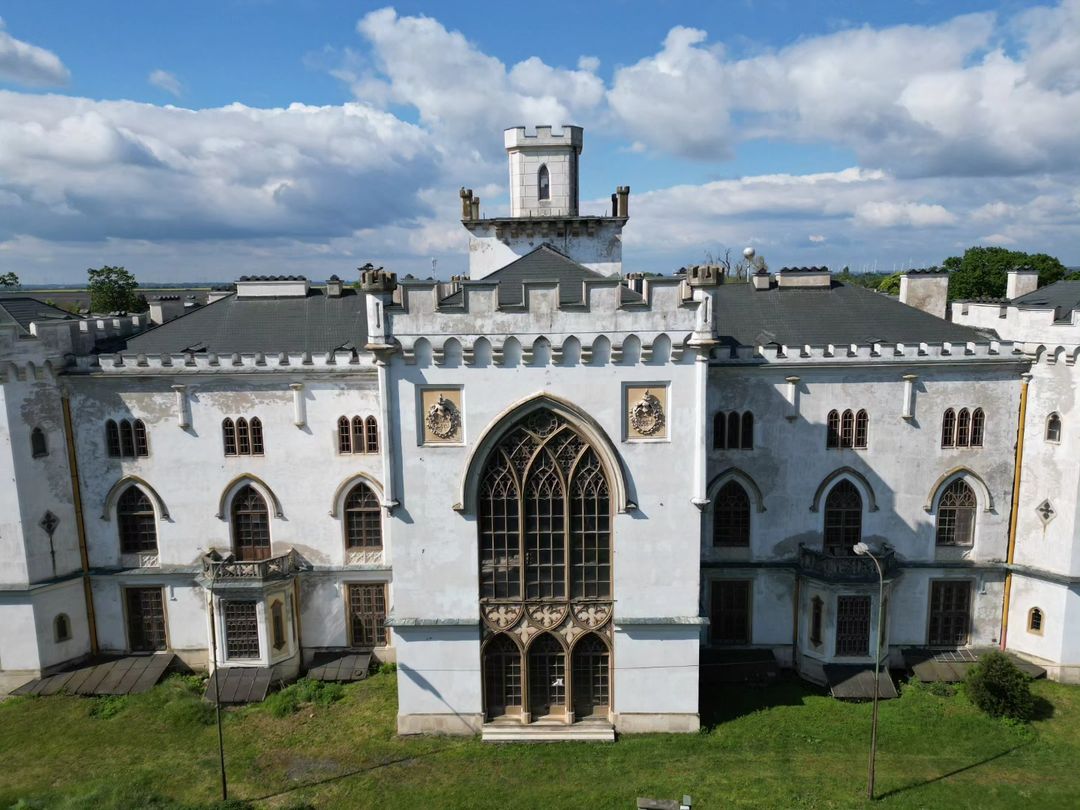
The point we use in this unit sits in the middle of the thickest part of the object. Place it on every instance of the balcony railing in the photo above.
(833, 568)
(228, 568)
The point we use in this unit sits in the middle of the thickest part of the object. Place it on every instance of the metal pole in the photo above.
(877, 682)
(217, 692)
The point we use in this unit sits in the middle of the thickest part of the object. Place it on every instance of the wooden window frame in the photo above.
(363, 601)
(228, 436)
(839, 524)
(844, 603)
(362, 514)
(112, 439)
(963, 428)
(938, 636)
(135, 525)
(952, 518)
(731, 524)
(261, 552)
(1036, 621)
(832, 430)
(503, 671)
(862, 429)
(257, 447)
(1053, 426)
(847, 429)
(741, 607)
(250, 640)
(948, 428)
(344, 435)
(152, 645)
(142, 444)
(371, 435)
(978, 427)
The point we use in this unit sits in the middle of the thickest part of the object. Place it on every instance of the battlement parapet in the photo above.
(339, 361)
(857, 353)
(376, 280)
(569, 136)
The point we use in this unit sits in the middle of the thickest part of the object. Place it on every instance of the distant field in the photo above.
(80, 296)
(785, 746)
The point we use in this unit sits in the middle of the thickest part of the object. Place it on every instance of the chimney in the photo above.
(333, 287)
(761, 280)
(218, 294)
(636, 282)
(1022, 280)
(466, 203)
(757, 269)
(475, 207)
(804, 277)
(165, 307)
(927, 290)
(622, 195)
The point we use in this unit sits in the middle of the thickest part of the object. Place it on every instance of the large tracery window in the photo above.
(545, 516)
(731, 516)
(137, 521)
(363, 520)
(250, 525)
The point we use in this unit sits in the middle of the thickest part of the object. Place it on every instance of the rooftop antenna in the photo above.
(434, 262)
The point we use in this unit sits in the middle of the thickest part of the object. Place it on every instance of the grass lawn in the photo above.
(786, 746)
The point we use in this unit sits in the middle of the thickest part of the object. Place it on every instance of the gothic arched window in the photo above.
(547, 676)
(38, 446)
(963, 428)
(731, 516)
(363, 519)
(978, 427)
(862, 429)
(719, 431)
(502, 676)
(832, 438)
(228, 436)
(112, 438)
(137, 522)
(250, 525)
(843, 519)
(1053, 428)
(956, 515)
(543, 184)
(847, 429)
(344, 435)
(371, 435)
(948, 428)
(747, 438)
(592, 674)
(544, 515)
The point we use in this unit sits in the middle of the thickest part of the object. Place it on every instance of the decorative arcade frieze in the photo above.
(568, 620)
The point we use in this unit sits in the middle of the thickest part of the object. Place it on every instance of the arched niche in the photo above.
(856, 478)
(117, 489)
(237, 484)
(346, 486)
(982, 491)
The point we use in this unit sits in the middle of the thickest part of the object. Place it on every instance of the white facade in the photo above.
(613, 412)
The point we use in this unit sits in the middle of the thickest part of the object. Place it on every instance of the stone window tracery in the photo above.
(956, 515)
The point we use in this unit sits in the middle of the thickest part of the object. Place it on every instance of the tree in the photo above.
(890, 284)
(9, 281)
(984, 271)
(113, 289)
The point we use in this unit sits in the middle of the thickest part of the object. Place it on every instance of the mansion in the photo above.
(551, 491)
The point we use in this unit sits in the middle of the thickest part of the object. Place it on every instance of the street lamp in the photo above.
(863, 550)
(217, 691)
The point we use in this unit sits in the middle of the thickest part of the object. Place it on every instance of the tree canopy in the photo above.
(983, 271)
(9, 281)
(114, 289)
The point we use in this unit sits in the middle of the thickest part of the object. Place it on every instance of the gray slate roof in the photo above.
(1061, 295)
(315, 323)
(21, 311)
(840, 314)
(544, 263)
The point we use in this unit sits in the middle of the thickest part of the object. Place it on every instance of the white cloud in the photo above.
(888, 214)
(29, 65)
(163, 80)
(817, 238)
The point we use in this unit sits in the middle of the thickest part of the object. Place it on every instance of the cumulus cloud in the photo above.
(163, 80)
(29, 65)
(98, 169)
(888, 214)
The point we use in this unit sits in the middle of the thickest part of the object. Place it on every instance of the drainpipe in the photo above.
(1025, 379)
(80, 525)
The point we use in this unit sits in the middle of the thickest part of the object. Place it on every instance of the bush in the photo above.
(997, 687)
(387, 668)
(106, 707)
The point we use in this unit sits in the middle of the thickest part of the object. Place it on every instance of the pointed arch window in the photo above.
(544, 516)
(126, 439)
(357, 434)
(344, 435)
(363, 519)
(137, 522)
(956, 515)
(963, 428)
(547, 676)
(250, 525)
(978, 425)
(833, 429)
(862, 429)
(731, 516)
(242, 437)
(719, 431)
(112, 438)
(256, 436)
(592, 675)
(228, 436)
(948, 428)
(733, 430)
(1035, 621)
(371, 435)
(1053, 428)
(543, 184)
(38, 446)
(843, 519)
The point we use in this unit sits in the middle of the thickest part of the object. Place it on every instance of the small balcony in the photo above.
(834, 568)
(228, 569)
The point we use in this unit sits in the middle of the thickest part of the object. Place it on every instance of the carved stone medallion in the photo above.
(647, 414)
(592, 616)
(443, 418)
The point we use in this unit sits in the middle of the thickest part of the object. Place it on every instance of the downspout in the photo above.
(80, 525)
(1025, 380)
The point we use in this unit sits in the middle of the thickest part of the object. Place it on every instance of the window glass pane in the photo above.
(137, 522)
(363, 518)
(843, 519)
(731, 516)
(241, 629)
(367, 609)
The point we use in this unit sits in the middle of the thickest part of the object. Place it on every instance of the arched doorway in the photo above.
(544, 516)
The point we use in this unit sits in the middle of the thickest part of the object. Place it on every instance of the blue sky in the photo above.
(201, 140)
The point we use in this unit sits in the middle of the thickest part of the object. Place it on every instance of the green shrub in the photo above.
(387, 668)
(997, 687)
(941, 689)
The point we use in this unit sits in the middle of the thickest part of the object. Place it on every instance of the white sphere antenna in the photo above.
(749, 253)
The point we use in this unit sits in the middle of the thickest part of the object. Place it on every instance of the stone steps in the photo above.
(588, 731)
